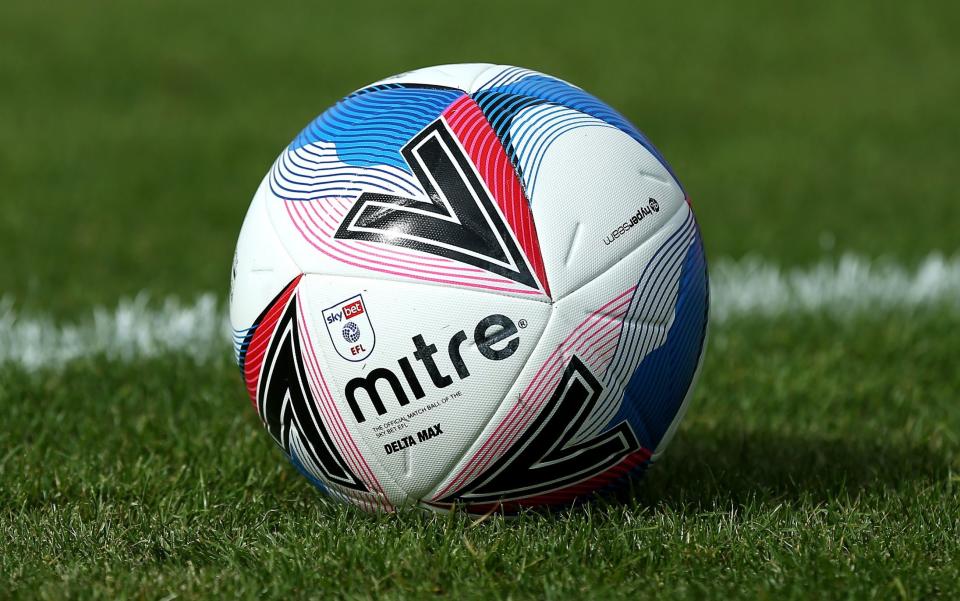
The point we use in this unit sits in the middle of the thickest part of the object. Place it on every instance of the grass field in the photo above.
(821, 456)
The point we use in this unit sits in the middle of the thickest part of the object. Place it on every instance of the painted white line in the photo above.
(843, 287)
(134, 329)
(139, 329)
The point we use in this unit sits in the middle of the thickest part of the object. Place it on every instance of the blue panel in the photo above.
(241, 342)
(500, 108)
(303, 471)
(553, 90)
(658, 386)
(370, 126)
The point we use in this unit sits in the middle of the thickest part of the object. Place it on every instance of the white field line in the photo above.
(843, 287)
(137, 328)
(134, 329)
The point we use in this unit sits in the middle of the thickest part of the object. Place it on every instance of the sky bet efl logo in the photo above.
(351, 332)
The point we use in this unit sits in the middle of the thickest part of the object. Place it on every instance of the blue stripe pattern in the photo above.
(315, 172)
(534, 131)
(370, 126)
(506, 75)
(241, 341)
(660, 383)
(501, 103)
(307, 164)
(653, 284)
(646, 323)
(298, 463)
(500, 109)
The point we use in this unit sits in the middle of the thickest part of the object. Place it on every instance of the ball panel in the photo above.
(485, 150)
(439, 219)
(673, 294)
(598, 196)
(431, 367)
(605, 329)
(366, 129)
(261, 269)
(293, 400)
(518, 89)
(533, 131)
(462, 76)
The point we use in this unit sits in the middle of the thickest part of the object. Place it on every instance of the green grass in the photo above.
(132, 135)
(810, 462)
(820, 458)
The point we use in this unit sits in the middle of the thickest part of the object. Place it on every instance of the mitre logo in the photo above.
(350, 330)
(495, 337)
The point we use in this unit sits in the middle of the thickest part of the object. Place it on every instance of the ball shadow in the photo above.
(707, 468)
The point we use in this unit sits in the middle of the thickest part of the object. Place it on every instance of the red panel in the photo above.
(485, 150)
(262, 335)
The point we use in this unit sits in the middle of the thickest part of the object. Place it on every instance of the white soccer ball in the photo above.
(470, 285)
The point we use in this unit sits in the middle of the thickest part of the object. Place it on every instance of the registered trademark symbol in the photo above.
(522, 323)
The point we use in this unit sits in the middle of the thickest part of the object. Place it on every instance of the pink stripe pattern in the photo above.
(594, 340)
(303, 180)
(377, 499)
(471, 127)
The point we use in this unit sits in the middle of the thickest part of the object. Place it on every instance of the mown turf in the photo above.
(819, 459)
(132, 135)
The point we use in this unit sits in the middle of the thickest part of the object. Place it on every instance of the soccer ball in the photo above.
(469, 285)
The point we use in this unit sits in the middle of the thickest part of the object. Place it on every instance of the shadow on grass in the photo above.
(709, 468)
(705, 469)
